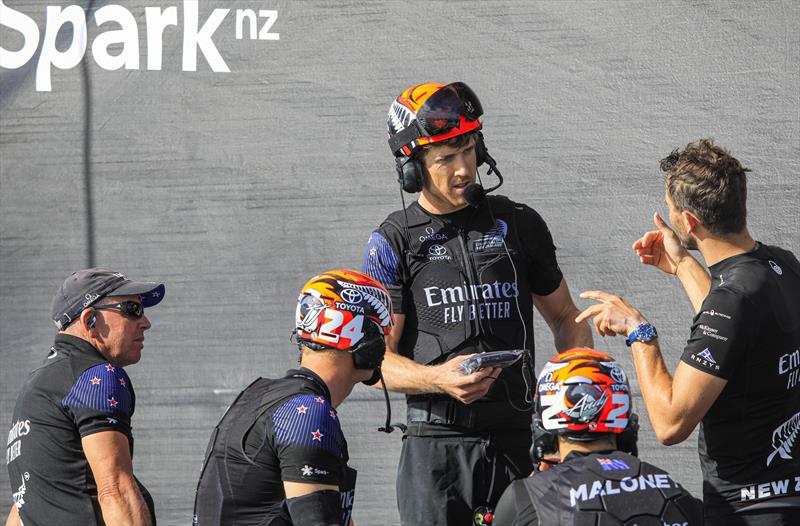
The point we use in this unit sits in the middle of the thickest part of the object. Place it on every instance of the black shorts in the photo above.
(442, 479)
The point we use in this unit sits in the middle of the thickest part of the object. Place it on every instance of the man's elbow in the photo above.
(671, 435)
(109, 493)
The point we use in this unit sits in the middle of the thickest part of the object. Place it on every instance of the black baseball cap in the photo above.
(84, 287)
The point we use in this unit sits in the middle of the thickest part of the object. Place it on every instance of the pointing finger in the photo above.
(598, 295)
(592, 311)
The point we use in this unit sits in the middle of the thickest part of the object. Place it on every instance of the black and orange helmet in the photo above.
(582, 393)
(342, 309)
(431, 112)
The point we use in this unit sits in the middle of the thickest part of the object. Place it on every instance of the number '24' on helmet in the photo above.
(342, 309)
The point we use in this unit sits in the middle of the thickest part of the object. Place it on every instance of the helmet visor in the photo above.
(446, 110)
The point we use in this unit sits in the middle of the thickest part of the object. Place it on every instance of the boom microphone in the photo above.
(474, 194)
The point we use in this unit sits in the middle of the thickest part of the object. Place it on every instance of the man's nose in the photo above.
(464, 165)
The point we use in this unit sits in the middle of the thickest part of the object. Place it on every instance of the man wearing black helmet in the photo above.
(278, 456)
(463, 279)
(583, 413)
(739, 374)
(70, 444)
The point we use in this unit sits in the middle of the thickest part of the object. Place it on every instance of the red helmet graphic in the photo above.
(431, 112)
(582, 392)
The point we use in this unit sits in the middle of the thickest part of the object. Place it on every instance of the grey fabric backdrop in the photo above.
(233, 188)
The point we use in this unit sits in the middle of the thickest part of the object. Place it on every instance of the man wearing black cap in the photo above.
(70, 443)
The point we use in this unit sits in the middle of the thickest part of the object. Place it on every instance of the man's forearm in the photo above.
(695, 280)
(568, 334)
(655, 382)
(402, 375)
(123, 505)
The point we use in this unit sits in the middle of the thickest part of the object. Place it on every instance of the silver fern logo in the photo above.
(783, 438)
(377, 298)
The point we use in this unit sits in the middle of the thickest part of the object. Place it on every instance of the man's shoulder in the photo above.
(104, 388)
(58, 372)
(413, 216)
(524, 214)
(307, 420)
(760, 276)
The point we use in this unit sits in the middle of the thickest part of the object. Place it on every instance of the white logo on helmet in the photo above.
(351, 295)
(618, 374)
(376, 298)
(591, 402)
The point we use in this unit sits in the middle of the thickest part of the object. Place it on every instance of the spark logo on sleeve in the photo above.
(157, 20)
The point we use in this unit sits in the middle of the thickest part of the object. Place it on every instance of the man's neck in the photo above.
(437, 206)
(565, 447)
(339, 380)
(715, 249)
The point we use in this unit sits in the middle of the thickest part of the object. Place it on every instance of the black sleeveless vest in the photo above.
(463, 290)
(611, 488)
(226, 461)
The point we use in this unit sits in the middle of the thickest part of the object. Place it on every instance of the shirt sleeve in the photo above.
(721, 332)
(544, 273)
(101, 399)
(308, 441)
(382, 260)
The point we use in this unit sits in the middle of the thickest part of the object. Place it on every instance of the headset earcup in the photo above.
(409, 174)
(480, 149)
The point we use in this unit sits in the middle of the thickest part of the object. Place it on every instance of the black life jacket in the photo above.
(611, 488)
(226, 461)
(462, 286)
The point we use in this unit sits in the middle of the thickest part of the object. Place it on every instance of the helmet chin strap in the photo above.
(388, 428)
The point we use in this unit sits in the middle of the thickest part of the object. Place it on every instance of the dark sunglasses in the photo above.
(443, 111)
(129, 309)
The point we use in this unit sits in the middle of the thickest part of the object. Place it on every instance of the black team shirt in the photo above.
(748, 332)
(73, 394)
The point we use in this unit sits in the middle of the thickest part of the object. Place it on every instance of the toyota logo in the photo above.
(437, 250)
(351, 295)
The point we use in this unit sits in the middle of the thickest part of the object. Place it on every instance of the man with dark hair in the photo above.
(584, 414)
(465, 271)
(740, 370)
(70, 445)
(278, 456)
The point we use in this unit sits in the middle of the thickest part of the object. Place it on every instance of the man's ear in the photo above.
(691, 220)
(88, 319)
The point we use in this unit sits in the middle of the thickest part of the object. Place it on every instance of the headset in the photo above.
(92, 320)
(410, 172)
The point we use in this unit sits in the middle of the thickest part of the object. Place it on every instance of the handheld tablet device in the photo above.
(500, 359)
